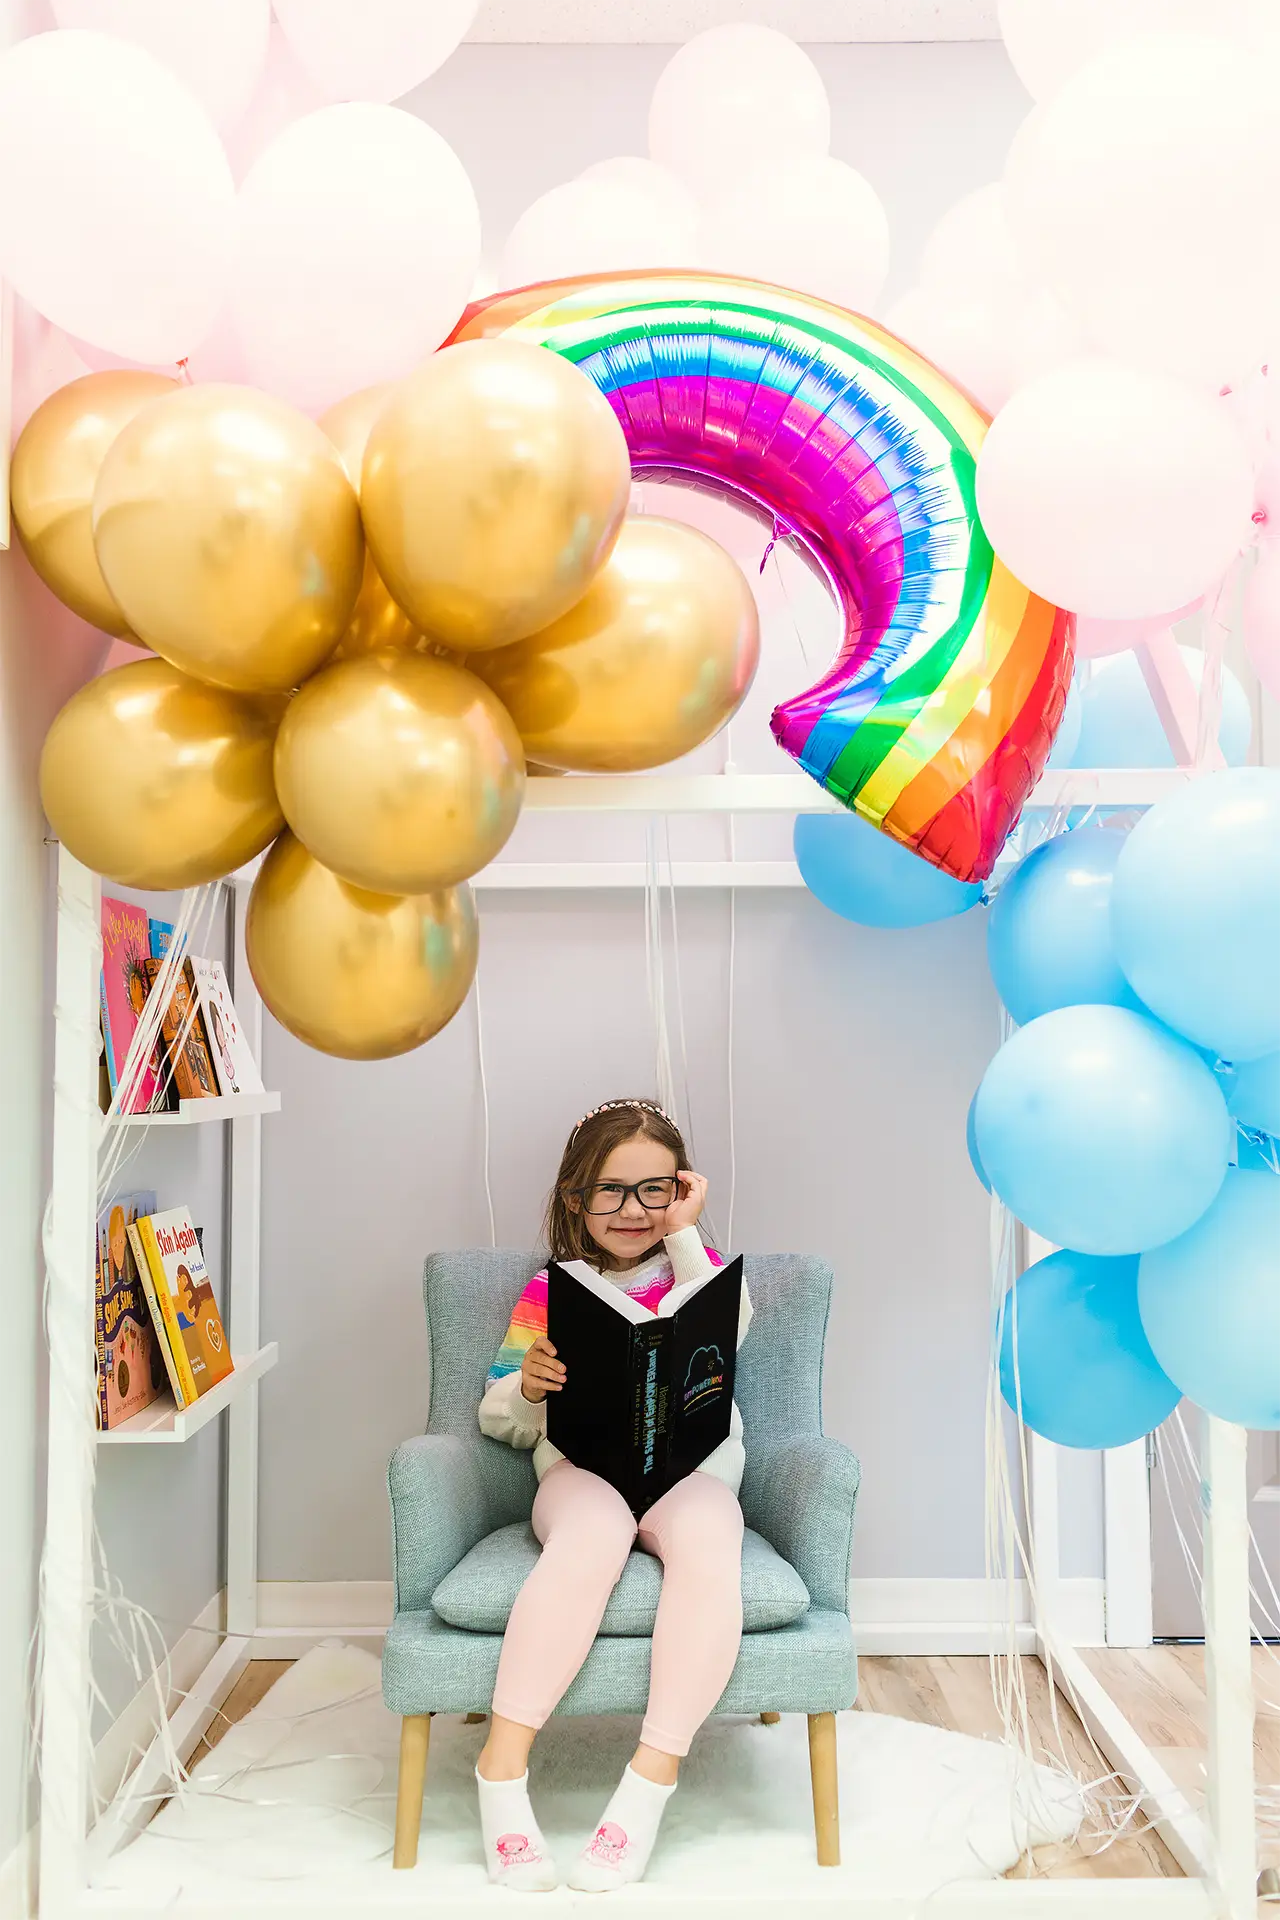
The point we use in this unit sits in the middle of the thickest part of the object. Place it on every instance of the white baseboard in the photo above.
(120, 1748)
(129, 1736)
(890, 1616)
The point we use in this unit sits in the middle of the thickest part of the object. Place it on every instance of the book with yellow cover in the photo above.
(185, 1295)
(159, 1325)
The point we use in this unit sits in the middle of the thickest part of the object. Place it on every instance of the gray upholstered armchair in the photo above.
(463, 1545)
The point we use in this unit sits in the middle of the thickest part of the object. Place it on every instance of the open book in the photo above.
(647, 1396)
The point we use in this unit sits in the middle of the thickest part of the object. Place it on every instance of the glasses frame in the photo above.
(634, 1186)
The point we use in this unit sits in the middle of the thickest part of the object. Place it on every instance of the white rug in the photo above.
(303, 1789)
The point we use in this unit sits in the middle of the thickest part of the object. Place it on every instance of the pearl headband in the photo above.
(611, 1106)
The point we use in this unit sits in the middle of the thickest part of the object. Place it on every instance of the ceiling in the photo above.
(665, 21)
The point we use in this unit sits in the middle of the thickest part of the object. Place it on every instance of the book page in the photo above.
(605, 1290)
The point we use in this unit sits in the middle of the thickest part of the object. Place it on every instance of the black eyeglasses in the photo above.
(610, 1196)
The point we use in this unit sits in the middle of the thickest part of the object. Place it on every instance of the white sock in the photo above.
(515, 1852)
(618, 1852)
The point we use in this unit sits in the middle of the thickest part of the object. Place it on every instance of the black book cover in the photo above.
(646, 1398)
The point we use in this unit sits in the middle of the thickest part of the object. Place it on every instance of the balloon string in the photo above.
(782, 530)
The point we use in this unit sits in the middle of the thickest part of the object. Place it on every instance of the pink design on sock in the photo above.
(515, 1850)
(609, 1844)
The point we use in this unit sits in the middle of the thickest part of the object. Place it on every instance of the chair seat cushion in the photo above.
(480, 1592)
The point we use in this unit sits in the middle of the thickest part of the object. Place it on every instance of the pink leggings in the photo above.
(587, 1530)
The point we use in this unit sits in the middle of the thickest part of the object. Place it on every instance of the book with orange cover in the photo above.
(184, 1036)
(184, 1291)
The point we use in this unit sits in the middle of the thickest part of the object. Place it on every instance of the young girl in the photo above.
(625, 1200)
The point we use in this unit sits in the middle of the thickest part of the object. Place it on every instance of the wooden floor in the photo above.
(1160, 1690)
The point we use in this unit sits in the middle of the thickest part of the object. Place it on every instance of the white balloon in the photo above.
(1049, 40)
(360, 240)
(806, 222)
(117, 206)
(1146, 193)
(595, 226)
(646, 176)
(283, 94)
(990, 347)
(967, 339)
(1114, 490)
(972, 250)
(372, 49)
(735, 97)
(218, 50)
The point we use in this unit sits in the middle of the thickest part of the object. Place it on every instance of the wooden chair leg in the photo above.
(826, 1787)
(474, 1719)
(415, 1735)
(770, 1719)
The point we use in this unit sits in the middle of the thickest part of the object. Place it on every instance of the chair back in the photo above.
(469, 1295)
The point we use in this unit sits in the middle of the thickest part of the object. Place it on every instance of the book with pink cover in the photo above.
(126, 946)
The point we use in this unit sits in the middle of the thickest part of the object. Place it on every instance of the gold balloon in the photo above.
(55, 468)
(398, 772)
(228, 531)
(494, 484)
(376, 621)
(652, 661)
(357, 974)
(155, 780)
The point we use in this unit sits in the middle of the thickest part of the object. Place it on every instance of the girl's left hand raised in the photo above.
(686, 1211)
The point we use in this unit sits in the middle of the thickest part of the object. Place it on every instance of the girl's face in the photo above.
(627, 1236)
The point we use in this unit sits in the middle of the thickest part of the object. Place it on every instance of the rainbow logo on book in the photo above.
(938, 714)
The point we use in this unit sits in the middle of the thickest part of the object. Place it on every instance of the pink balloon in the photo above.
(284, 93)
(373, 49)
(1261, 619)
(1096, 638)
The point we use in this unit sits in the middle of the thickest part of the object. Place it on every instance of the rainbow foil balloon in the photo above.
(937, 717)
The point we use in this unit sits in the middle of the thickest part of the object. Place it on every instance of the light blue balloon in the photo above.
(1119, 725)
(1085, 1373)
(863, 875)
(1067, 738)
(1195, 911)
(1210, 1303)
(1101, 1131)
(971, 1141)
(1255, 1094)
(1049, 935)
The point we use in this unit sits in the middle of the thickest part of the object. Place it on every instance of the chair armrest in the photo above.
(439, 1509)
(801, 1494)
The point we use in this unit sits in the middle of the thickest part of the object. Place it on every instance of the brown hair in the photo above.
(589, 1146)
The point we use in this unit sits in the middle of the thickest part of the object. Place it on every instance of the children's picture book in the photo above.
(129, 1364)
(232, 1061)
(184, 1292)
(184, 1036)
(126, 947)
(646, 1396)
(161, 937)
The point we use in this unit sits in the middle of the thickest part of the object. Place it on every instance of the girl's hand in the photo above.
(686, 1210)
(540, 1372)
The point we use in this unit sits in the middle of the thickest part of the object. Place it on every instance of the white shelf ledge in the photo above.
(162, 1424)
(797, 793)
(220, 1106)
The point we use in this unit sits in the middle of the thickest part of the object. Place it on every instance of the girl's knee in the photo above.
(704, 1523)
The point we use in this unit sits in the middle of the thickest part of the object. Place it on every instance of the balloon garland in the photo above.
(939, 713)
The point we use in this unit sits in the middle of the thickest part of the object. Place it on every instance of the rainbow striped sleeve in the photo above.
(528, 1320)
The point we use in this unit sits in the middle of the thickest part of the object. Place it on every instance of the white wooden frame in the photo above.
(1217, 1853)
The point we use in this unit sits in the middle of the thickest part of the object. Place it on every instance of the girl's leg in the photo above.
(587, 1530)
(696, 1531)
